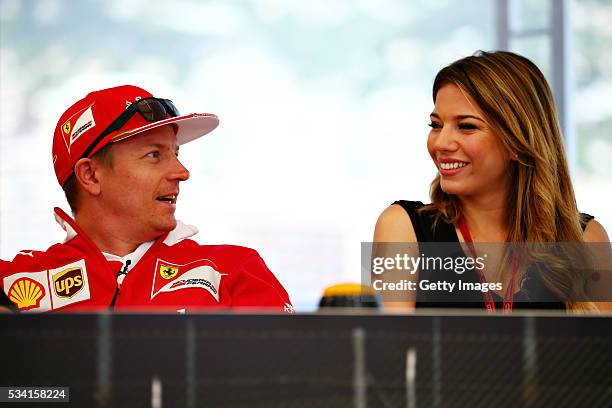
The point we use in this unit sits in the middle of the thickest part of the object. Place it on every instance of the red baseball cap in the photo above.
(79, 128)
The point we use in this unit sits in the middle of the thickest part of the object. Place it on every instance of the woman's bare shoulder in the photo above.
(595, 232)
(394, 225)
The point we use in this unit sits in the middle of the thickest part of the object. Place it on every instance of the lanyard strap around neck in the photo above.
(488, 297)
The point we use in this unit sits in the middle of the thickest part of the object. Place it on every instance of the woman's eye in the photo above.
(467, 126)
(434, 125)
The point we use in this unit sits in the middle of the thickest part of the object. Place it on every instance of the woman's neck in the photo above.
(486, 218)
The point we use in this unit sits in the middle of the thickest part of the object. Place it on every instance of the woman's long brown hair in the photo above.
(518, 105)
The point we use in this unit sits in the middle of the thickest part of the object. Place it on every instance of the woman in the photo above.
(502, 177)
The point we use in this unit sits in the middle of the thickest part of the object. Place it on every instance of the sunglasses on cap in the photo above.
(151, 109)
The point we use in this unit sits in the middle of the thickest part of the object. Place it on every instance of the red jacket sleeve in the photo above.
(253, 285)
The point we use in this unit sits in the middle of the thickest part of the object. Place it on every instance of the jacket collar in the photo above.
(179, 233)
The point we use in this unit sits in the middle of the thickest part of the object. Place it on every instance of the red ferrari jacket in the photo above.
(172, 273)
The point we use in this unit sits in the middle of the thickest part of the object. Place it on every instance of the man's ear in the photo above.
(86, 173)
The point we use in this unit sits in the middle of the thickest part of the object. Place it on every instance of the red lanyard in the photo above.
(509, 295)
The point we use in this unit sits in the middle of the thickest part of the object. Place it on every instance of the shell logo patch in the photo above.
(167, 271)
(26, 293)
(68, 283)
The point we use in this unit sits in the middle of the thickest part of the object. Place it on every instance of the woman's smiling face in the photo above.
(470, 157)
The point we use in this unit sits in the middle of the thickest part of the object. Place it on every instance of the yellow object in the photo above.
(26, 293)
(348, 289)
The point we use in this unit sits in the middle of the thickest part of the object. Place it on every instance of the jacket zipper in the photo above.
(124, 271)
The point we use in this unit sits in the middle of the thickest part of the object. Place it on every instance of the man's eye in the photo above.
(435, 125)
(467, 126)
(153, 155)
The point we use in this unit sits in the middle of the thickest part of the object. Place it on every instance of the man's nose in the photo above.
(179, 171)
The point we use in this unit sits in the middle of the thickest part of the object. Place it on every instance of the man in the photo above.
(115, 154)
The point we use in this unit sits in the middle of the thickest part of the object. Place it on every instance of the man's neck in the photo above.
(106, 234)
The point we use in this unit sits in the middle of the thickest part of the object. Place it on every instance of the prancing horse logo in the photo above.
(168, 272)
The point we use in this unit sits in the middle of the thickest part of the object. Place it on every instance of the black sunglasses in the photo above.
(151, 109)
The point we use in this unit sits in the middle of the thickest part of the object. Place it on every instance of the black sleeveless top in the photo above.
(532, 286)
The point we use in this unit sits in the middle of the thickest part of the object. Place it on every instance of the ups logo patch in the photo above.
(68, 283)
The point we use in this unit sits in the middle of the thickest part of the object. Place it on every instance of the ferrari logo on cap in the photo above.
(168, 272)
(78, 124)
